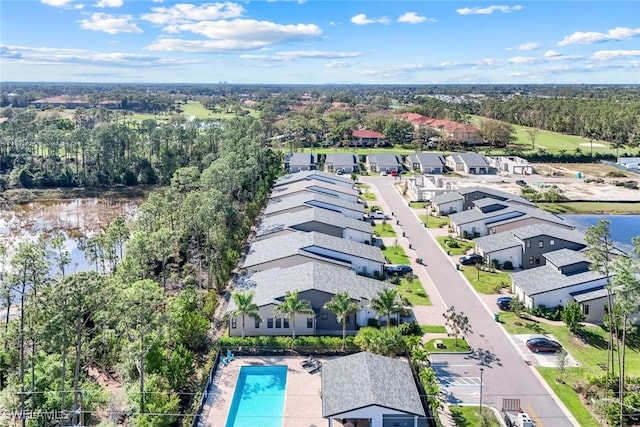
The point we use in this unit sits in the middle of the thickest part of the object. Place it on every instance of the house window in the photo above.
(585, 309)
(530, 260)
(324, 316)
(528, 243)
(346, 319)
(257, 324)
(278, 323)
(537, 260)
(234, 323)
(270, 323)
(309, 322)
(541, 243)
(285, 323)
(552, 242)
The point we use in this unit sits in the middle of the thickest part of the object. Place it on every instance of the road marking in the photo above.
(460, 381)
(533, 416)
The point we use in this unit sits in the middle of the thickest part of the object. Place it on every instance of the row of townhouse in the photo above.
(311, 238)
(424, 162)
(547, 252)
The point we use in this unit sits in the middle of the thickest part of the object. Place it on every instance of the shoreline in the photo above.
(592, 208)
(18, 196)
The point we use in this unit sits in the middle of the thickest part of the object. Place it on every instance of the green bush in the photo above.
(372, 322)
(453, 243)
(330, 342)
(508, 265)
(411, 328)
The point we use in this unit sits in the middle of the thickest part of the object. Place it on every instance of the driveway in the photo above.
(505, 373)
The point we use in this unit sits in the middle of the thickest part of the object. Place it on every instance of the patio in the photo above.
(302, 402)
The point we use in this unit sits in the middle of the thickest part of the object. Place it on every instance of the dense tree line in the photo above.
(142, 318)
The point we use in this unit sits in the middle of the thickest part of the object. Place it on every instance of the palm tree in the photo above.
(291, 306)
(387, 303)
(342, 306)
(245, 307)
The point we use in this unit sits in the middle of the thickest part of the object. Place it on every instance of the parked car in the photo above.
(379, 215)
(383, 173)
(394, 172)
(542, 344)
(471, 259)
(398, 269)
(503, 303)
(521, 182)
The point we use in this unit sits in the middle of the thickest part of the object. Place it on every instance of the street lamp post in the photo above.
(481, 372)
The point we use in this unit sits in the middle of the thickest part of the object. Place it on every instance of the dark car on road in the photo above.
(521, 183)
(470, 259)
(398, 269)
(541, 344)
(503, 303)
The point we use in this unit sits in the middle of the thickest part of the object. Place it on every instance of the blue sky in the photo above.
(314, 41)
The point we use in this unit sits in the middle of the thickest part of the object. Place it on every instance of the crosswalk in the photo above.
(459, 381)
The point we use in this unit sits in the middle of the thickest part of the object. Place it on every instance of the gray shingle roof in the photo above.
(309, 175)
(589, 294)
(270, 285)
(446, 198)
(300, 242)
(496, 194)
(426, 159)
(513, 210)
(384, 159)
(311, 185)
(547, 278)
(535, 230)
(308, 199)
(302, 159)
(564, 257)
(341, 159)
(276, 223)
(471, 159)
(497, 242)
(365, 379)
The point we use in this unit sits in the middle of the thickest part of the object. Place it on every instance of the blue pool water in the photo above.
(259, 397)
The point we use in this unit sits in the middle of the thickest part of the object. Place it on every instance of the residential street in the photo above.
(506, 375)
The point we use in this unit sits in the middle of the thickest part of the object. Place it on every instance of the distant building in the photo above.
(344, 163)
(469, 163)
(383, 162)
(297, 162)
(61, 101)
(512, 165)
(629, 162)
(367, 138)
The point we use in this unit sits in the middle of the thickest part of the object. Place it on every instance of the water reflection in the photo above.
(73, 219)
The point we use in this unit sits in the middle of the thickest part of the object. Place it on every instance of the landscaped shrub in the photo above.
(452, 243)
(328, 342)
(410, 328)
(495, 263)
(545, 312)
(508, 265)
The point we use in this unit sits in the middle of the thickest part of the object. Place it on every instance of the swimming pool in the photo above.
(259, 397)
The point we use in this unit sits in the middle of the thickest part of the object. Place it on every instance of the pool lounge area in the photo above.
(301, 402)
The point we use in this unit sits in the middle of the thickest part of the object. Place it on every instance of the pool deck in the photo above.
(302, 401)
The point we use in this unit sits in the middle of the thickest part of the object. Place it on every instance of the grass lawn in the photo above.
(434, 222)
(195, 108)
(568, 396)
(417, 205)
(591, 208)
(395, 255)
(464, 246)
(384, 230)
(469, 416)
(488, 280)
(413, 291)
(449, 346)
(433, 329)
(369, 197)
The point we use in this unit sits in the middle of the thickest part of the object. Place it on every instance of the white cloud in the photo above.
(413, 18)
(339, 64)
(110, 23)
(57, 3)
(526, 46)
(45, 55)
(183, 13)
(361, 19)
(238, 34)
(488, 10)
(109, 3)
(292, 55)
(552, 53)
(606, 55)
(618, 33)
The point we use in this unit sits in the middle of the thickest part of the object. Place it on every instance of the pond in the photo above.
(623, 227)
(73, 219)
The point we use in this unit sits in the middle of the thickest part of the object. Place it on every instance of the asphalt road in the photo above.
(505, 375)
